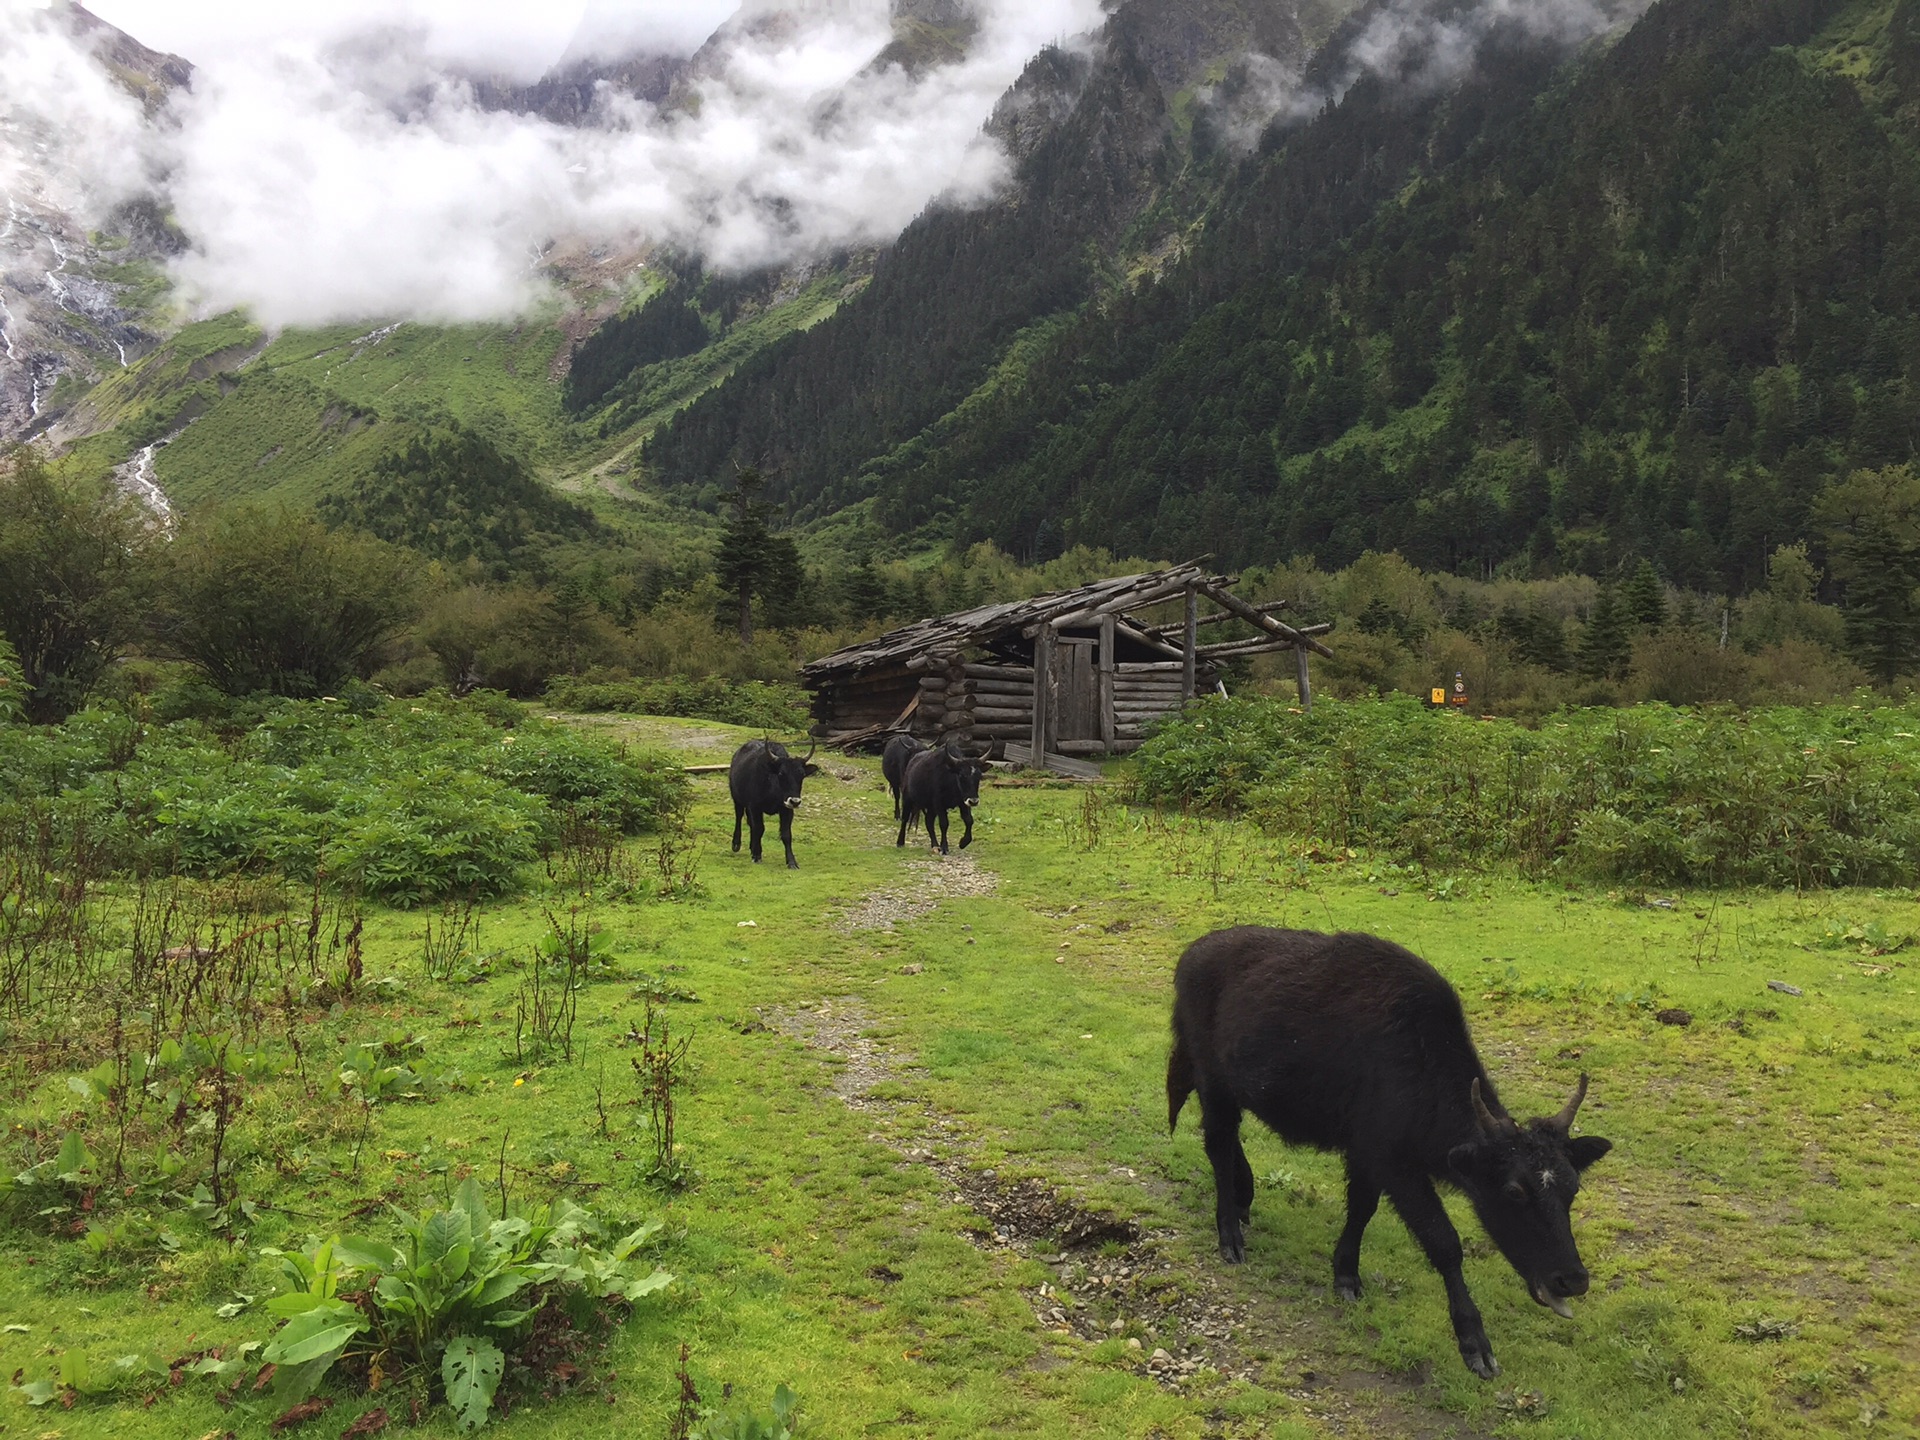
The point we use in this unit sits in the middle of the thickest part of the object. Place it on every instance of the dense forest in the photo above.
(1560, 316)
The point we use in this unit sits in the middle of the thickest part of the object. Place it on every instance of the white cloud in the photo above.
(338, 171)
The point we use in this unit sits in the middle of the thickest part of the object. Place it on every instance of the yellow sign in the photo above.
(1439, 695)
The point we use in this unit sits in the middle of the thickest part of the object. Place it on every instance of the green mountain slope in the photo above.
(1650, 313)
(1646, 302)
(1100, 145)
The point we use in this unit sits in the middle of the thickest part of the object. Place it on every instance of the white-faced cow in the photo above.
(1350, 1043)
(936, 782)
(900, 748)
(766, 780)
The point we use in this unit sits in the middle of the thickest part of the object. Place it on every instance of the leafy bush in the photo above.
(453, 1298)
(765, 705)
(1779, 796)
(406, 802)
(13, 684)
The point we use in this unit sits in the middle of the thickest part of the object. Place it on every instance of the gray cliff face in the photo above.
(71, 296)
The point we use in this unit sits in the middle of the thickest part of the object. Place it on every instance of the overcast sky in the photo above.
(520, 35)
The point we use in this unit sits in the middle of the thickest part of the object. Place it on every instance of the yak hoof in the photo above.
(793, 864)
(1234, 1252)
(966, 842)
(1480, 1360)
(1347, 1287)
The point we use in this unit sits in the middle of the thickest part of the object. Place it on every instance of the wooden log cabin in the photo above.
(1072, 673)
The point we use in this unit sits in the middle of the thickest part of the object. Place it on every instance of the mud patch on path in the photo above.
(928, 882)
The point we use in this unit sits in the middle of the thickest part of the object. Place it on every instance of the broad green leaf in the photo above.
(352, 1252)
(498, 1287)
(37, 1392)
(321, 1331)
(473, 1203)
(297, 1302)
(471, 1371)
(74, 1155)
(446, 1242)
(783, 1402)
(634, 1289)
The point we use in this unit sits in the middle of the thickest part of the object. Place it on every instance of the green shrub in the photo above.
(405, 802)
(1782, 796)
(762, 704)
(13, 684)
(453, 1298)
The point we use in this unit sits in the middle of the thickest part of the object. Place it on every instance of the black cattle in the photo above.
(936, 782)
(1350, 1043)
(893, 764)
(766, 780)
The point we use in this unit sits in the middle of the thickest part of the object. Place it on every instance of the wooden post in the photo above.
(1107, 736)
(1300, 675)
(1189, 650)
(1042, 682)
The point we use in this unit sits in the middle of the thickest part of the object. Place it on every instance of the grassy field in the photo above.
(912, 1080)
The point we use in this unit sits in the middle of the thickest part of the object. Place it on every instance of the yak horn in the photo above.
(1563, 1122)
(1490, 1123)
(810, 749)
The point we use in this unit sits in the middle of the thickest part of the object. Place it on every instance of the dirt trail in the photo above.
(1112, 1280)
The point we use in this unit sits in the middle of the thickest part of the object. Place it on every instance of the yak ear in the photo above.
(953, 760)
(810, 769)
(1466, 1161)
(1583, 1150)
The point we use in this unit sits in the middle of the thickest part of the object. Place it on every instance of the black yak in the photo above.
(766, 780)
(900, 749)
(936, 782)
(1350, 1043)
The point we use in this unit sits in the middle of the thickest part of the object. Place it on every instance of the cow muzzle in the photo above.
(1555, 1289)
(792, 803)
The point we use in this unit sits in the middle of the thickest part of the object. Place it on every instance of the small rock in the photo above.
(1784, 988)
(1134, 1344)
(1675, 1017)
(1159, 1358)
(911, 969)
(1117, 1326)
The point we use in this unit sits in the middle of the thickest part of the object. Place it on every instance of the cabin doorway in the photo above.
(1079, 712)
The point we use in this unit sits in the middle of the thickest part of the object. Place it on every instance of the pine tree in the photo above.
(1873, 538)
(753, 562)
(1645, 598)
(1605, 646)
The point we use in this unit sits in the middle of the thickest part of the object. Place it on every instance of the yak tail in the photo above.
(1179, 1081)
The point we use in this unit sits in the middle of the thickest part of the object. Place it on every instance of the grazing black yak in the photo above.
(766, 780)
(1350, 1043)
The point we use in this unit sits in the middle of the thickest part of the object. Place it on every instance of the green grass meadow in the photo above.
(1754, 1237)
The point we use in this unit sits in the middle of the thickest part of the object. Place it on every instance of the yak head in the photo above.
(966, 776)
(789, 772)
(1522, 1181)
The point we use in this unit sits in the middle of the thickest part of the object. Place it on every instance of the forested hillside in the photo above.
(1098, 142)
(1646, 303)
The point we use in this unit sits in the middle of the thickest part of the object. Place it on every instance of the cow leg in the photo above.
(1363, 1198)
(1232, 1176)
(756, 827)
(933, 840)
(966, 816)
(943, 832)
(738, 811)
(1427, 1218)
(786, 837)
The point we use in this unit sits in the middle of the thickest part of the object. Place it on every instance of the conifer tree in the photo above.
(1872, 520)
(1645, 598)
(753, 562)
(1605, 646)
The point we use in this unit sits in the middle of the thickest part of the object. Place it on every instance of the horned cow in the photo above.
(766, 780)
(937, 782)
(1350, 1043)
